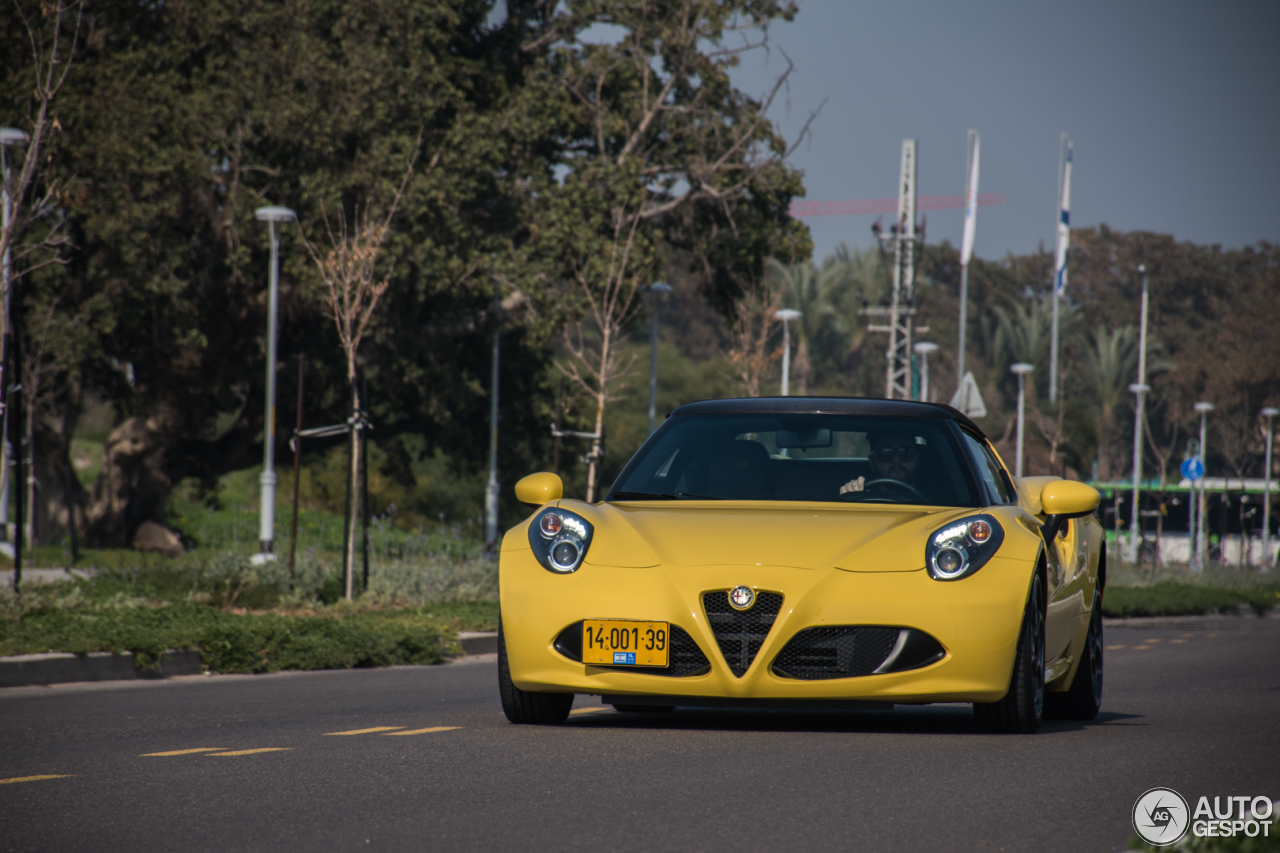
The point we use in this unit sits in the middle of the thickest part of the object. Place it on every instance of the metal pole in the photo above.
(1021, 369)
(1062, 223)
(491, 489)
(924, 349)
(8, 136)
(1202, 549)
(268, 479)
(1140, 389)
(1191, 521)
(786, 357)
(20, 446)
(964, 310)
(970, 193)
(364, 483)
(297, 470)
(1268, 560)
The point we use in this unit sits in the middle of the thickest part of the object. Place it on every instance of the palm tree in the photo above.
(808, 292)
(1110, 364)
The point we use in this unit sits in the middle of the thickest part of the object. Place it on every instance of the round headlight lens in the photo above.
(948, 561)
(565, 555)
(550, 524)
(979, 532)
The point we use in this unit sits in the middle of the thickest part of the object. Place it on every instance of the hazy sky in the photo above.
(1174, 109)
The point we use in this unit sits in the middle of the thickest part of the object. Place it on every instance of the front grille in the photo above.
(838, 652)
(740, 635)
(685, 658)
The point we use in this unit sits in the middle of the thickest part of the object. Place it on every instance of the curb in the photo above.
(62, 667)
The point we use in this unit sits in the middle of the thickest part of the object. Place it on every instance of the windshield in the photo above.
(832, 458)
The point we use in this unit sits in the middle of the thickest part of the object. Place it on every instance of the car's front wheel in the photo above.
(1022, 707)
(523, 706)
(1083, 699)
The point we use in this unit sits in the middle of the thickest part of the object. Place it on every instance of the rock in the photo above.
(155, 537)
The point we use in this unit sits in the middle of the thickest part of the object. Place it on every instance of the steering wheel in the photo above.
(891, 483)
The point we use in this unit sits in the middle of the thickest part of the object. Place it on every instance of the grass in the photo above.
(1176, 591)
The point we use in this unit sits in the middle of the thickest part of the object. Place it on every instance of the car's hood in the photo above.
(872, 538)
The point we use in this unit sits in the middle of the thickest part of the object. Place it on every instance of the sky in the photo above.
(1173, 109)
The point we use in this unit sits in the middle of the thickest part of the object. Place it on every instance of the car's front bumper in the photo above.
(976, 621)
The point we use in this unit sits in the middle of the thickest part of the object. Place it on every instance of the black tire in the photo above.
(1083, 699)
(1022, 708)
(644, 709)
(523, 706)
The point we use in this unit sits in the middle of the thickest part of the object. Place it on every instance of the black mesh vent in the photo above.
(740, 635)
(685, 657)
(837, 652)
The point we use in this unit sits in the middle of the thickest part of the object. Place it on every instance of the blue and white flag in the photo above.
(1064, 226)
(970, 207)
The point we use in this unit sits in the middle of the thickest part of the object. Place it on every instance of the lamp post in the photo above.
(1197, 559)
(1021, 369)
(1140, 391)
(786, 315)
(1139, 388)
(655, 290)
(491, 488)
(923, 349)
(10, 136)
(1267, 558)
(268, 479)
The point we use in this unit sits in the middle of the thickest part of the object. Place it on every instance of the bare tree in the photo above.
(350, 271)
(755, 322)
(660, 130)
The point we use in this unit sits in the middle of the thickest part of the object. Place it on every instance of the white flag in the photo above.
(970, 208)
(1064, 226)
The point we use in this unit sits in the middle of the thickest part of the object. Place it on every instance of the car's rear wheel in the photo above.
(524, 706)
(1083, 699)
(1021, 709)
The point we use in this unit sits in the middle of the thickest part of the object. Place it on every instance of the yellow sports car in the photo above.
(807, 553)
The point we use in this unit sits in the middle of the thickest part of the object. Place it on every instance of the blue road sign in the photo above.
(1193, 469)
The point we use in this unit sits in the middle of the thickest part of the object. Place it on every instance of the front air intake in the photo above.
(741, 633)
(850, 651)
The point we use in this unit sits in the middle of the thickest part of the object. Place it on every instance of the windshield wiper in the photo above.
(665, 496)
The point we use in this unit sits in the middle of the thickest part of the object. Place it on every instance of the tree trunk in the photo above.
(132, 486)
(1106, 429)
(353, 484)
(597, 448)
(804, 368)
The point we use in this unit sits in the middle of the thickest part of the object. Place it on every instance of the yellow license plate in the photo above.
(617, 642)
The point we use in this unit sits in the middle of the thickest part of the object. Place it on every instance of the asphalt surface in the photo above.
(255, 763)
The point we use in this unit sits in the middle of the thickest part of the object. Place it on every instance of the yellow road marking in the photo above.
(182, 751)
(1114, 647)
(422, 731)
(1156, 640)
(589, 710)
(1140, 648)
(366, 731)
(34, 778)
(252, 751)
(1177, 641)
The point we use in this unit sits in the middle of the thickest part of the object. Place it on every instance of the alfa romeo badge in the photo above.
(742, 597)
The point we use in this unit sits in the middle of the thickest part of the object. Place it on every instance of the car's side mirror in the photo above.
(1064, 499)
(538, 489)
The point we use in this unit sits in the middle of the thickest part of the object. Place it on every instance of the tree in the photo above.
(658, 143)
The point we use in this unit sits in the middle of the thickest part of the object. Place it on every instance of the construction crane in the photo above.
(804, 209)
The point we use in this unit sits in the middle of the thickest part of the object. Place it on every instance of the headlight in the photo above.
(560, 540)
(962, 547)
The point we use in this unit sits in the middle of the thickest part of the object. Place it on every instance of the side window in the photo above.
(989, 469)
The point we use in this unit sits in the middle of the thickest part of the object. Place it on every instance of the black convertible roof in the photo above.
(825, 406)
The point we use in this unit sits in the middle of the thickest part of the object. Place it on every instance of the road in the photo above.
(422, 759)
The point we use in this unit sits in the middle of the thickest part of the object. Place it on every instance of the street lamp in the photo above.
(1140, 391)
(10, 136)
(1021, 369)
(267, 515)
(786, 315)
(923, 349)
(1267, 558)
(1197, 559)
(655, 290)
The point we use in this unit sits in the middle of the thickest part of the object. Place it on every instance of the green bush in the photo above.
(234, 642)
(1177, 599)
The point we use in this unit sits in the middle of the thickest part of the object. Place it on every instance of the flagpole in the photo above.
(1063, 229)
(966, 243)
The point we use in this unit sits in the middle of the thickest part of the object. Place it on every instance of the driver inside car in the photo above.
(894, 456)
